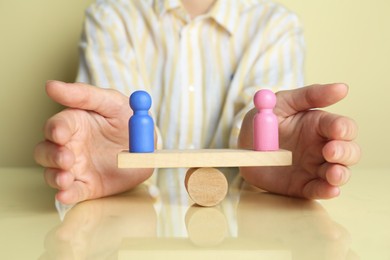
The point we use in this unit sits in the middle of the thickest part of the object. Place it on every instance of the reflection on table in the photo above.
(147, 223)
(158, 220)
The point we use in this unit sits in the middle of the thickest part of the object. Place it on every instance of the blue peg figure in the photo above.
(141, 125)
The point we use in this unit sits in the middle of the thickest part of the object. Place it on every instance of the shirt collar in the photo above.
(225, 12)
(162, 6)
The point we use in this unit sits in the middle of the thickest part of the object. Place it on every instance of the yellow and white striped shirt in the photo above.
(202, 72)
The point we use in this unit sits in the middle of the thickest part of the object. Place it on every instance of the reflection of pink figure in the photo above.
(265, 122)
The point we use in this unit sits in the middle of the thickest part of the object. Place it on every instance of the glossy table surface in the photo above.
(152, 223)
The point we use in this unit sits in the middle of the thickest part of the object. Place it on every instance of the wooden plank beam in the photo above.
(203, 158)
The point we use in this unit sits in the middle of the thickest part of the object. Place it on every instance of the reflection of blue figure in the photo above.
(141, 126)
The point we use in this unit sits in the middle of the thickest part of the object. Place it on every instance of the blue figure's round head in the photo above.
(140, 100)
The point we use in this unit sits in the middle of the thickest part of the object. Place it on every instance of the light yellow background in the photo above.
(347, 41)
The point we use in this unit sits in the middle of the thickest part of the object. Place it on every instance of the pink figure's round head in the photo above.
(264, 99)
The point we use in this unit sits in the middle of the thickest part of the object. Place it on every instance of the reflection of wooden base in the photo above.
(141, 248)
(206, 186)
(206, 227)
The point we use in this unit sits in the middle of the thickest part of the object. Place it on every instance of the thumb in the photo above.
(290, 102)
(105, 102)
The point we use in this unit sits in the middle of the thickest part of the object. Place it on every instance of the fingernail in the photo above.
(53, 81)
(336, 154)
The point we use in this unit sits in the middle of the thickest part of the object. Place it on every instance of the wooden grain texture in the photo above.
(203, 158)
(207, 187)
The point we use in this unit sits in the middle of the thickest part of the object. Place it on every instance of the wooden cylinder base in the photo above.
(206, 186)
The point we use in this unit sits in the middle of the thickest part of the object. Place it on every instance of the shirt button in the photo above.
(191, 88)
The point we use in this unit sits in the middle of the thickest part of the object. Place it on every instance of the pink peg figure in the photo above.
(141, 125)
(265, 122)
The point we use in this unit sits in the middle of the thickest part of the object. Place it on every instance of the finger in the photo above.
(341, 152)
(75, 193)
(337, 127)
(338, 175)
(50, 175)
(60, 128)
(320, 189)
(58, 179)
(334, 174)
(290, 102)
(51, 155)
(82, 96)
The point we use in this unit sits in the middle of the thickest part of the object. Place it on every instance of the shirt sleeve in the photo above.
(107, 59)
(279, 65)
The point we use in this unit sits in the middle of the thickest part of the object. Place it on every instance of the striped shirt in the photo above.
(202, 72)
